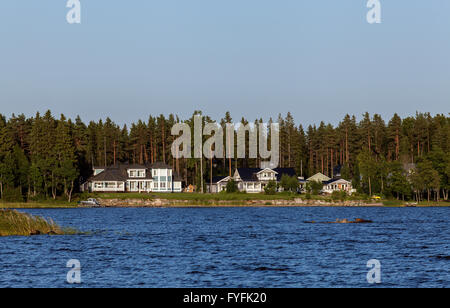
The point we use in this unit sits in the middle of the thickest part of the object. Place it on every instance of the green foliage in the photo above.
(231, 187)
(368, 167)
(12, 194)
(398, 183)
(338, 195)
(425, 178)
(289, 183)
(48, 157)
(393, 203)
(271, 188)
(21, 224)
(314, 187)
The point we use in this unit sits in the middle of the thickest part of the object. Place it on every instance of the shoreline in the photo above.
(298, 202)
(175, 203)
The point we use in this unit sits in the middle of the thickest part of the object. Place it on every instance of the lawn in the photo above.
(37, 205)
(198, 196)
(400, 203)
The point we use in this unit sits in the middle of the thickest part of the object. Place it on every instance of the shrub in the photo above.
(338, 195)
(231, 187)
(271, 188)
(314, 187)
(16, 223)
(12, 195)
(289, 183)
(393, 203)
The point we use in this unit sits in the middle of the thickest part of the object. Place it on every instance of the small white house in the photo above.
(318, 177)
(337, 185)
(218, 184)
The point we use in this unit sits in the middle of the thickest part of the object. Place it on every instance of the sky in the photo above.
(318, 59)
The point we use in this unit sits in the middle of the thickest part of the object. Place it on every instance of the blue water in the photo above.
(234, 247)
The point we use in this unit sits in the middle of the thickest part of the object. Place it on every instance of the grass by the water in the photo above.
(37, 205)
(16, 223)
(400, 203)
(199, 196)
(237, 199)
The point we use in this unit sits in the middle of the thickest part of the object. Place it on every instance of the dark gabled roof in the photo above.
(248, 174)
(111, 174)
(285, 171)
(160, 165)
(119, 173)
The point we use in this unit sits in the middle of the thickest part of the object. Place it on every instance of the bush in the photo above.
(358, 196)
(338, 195)
(231, 187)
(393, 203)
(12, 195)
(271, 188)
(289, 183)
(314, 187)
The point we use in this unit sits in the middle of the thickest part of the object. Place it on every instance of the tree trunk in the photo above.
(163, 144)
(346, 145)
(53, 187)
(397, 144)
(114, 149)
(70, 192)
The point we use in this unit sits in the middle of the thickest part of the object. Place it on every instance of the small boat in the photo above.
(411, 204)
(91, 202)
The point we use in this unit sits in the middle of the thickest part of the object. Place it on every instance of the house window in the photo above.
(163, 185)
(132, 185)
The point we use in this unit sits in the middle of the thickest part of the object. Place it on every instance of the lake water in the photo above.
(234, 247)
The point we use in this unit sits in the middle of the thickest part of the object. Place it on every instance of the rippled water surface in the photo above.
(234, 247)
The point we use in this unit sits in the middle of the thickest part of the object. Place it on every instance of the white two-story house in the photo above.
(158, 177)
(250, 180)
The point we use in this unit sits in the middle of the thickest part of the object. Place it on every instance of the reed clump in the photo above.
(13, 223)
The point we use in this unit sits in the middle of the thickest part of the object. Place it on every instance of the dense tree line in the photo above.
(48, 157)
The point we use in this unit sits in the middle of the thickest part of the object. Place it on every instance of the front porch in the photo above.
(139, 186)
(108, 186)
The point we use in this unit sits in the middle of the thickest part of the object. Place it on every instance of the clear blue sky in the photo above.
(319, 59)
